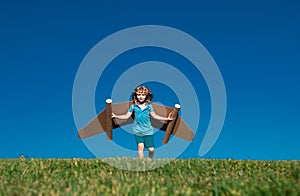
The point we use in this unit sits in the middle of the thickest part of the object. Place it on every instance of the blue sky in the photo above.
(255, 44)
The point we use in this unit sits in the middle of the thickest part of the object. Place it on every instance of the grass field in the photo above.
(180, 177)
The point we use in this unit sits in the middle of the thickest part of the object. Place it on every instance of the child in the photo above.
(142, 128)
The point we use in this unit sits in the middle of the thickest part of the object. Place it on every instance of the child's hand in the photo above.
(113, 115)
(170, 116)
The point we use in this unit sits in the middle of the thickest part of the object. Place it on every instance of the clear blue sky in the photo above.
(256, 45)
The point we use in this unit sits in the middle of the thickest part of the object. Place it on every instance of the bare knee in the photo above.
(140, 147)
(151, 152)
(151, 149)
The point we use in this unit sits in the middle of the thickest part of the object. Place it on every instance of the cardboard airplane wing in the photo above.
(99, 123)
(104, 123)
(176, 127)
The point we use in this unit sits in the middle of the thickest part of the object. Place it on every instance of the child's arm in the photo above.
(154, 115)
(123, 117)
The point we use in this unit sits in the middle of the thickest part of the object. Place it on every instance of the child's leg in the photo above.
(149, 143)
(141, 150)
(151, 152)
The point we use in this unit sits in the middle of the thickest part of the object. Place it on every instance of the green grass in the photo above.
(179, 177)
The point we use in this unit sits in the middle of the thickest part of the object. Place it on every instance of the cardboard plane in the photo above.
(104, 122)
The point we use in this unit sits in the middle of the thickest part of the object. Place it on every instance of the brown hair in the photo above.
(142, 89)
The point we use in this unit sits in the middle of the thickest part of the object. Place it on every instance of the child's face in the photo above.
(141, 96)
